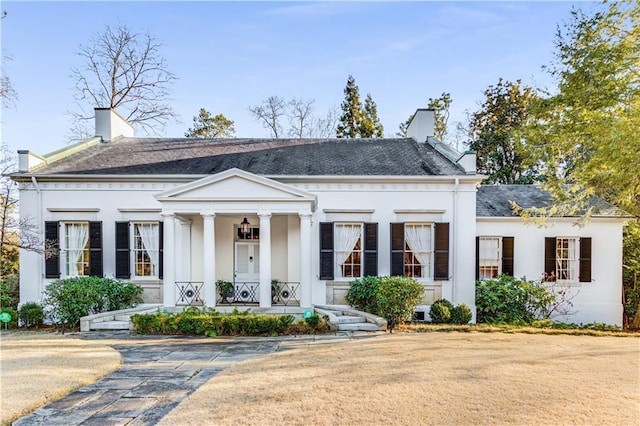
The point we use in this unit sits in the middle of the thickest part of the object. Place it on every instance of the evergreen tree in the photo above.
(370, 127)
(441, 114)
(208, 127)
(351, 118)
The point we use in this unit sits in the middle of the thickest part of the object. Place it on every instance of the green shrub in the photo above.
(30, 314)
(10, 291)
(362, 294)
(313, 321)
(67, 300)
(440, 312)
(513, 301)
(396, 298)
(212, 323)
(461, 314)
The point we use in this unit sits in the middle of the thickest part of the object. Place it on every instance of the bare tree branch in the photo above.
(301, 117)
(270, 113)
(124, 71)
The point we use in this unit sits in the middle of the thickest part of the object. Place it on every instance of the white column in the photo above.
(305, 260)
(265, 260)
(169, 277)
(209, 259)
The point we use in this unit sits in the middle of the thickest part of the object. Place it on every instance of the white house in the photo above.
(290, 222)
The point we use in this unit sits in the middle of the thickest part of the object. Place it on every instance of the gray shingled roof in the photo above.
(141, 156)
(495, 200)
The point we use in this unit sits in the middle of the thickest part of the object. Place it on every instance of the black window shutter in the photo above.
(477, 258)
(52, 262)
(507, 255)
(585, 260)
(123, 262)
(441, 263)
(397, 249)
(326, 251)
(95, 249)
(161, 250)
(550, 255)
(371, 249)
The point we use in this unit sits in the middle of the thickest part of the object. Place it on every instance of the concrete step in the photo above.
(350, 319)
(110, 325)
(358, 327)
(123, 317)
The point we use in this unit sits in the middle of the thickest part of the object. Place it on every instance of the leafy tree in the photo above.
(631, 274)
(124, 71)
(207, 126)
(441, 114)
(370, 127)
(493, 133)
(586, 133)
(270, 112)
(351, 118)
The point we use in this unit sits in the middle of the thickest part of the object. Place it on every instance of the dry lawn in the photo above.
(37, 368)
(430, 378)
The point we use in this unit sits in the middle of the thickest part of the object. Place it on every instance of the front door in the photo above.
(247, 271)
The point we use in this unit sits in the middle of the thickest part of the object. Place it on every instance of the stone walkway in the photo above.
(157, 373)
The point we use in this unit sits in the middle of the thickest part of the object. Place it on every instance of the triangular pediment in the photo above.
(234, 184)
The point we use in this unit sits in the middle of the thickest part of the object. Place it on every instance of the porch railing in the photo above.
(283, 293)
(189, 293)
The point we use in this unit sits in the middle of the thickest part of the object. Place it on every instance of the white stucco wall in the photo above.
(597, 301)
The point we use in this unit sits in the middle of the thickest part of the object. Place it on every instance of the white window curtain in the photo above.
(150, 242)
(346, 237)
(77, 236)
(419, 239)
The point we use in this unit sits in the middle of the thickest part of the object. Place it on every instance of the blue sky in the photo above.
(229, 56)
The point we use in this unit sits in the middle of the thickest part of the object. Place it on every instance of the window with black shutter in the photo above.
(441, 262)
(123, 262)
(95, 249)
(370, 249)
(397, 249)
(585, 260)
(52, 242)
(326, 251)
(508, 244)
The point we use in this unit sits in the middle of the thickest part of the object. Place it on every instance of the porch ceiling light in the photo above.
(244, 226)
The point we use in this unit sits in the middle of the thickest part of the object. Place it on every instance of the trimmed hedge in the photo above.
(211, 323)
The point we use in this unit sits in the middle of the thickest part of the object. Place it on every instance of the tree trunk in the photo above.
(635, 325)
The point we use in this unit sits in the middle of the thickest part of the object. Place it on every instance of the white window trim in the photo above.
(64, 250)
(133, 251)
(338, 265)
(574, 264)
(499, 254)
(429, 277)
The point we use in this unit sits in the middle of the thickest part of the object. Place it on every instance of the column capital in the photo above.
(264, 215)
(168, 215)
(305, 215)
(207, 215)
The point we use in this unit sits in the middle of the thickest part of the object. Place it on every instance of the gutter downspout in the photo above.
(40, 232)
(455, 245)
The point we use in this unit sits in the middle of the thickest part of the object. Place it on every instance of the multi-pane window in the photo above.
(75, 249)
(567, 259)
(348, 249)
(146, 249)
(418, 252)
(489, 257)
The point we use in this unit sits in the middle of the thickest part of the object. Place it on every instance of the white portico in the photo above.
(204, 240)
